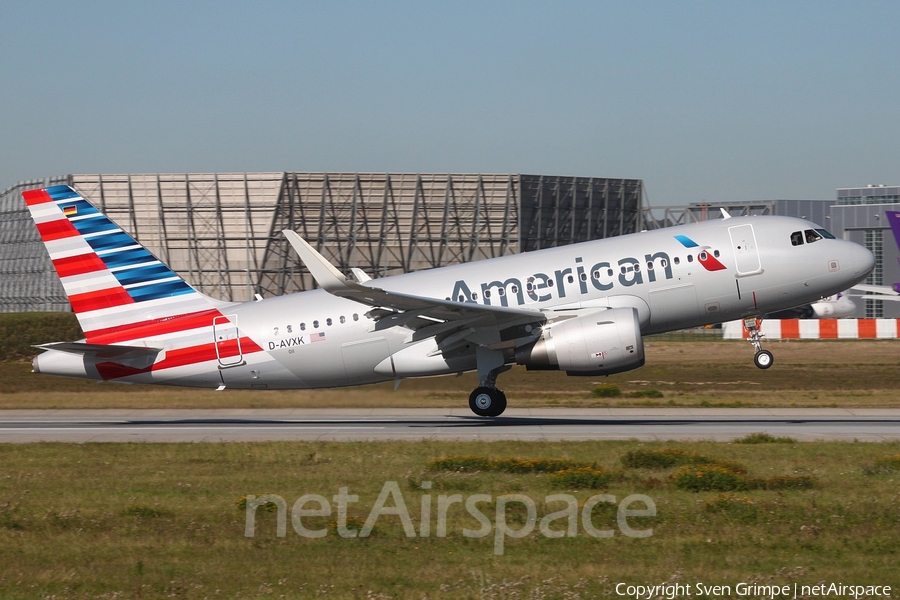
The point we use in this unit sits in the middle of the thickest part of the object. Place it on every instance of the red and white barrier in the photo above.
(818, 329)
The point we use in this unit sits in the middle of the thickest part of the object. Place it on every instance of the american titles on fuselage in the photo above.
(578, 279)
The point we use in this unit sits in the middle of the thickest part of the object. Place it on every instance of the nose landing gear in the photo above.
(763, 359)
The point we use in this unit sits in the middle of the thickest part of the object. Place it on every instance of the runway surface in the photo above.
(20, 426)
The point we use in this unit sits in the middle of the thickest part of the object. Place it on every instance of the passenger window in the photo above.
(315, 324)
(343, 319)
(328, 321)
(302, 326)
(690, 258)
(355, 317)
(812, 236)
(716, 253)
(796, 238)
(676, 260)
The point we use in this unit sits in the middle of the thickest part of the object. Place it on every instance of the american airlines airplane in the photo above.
(581, 308)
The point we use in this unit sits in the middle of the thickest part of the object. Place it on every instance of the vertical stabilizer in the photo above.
(113, 283)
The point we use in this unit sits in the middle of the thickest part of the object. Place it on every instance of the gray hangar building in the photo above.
(222, 231)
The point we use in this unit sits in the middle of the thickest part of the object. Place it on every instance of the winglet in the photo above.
(361, 276)
(325, 274)
(725, 214)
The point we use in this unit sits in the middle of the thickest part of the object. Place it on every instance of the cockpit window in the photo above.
(797, 238)
(825, 234)
(812, 236)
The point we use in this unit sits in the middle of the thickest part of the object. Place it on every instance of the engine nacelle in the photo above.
(601, 343)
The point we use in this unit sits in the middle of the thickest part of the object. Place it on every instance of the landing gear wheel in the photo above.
(763, 359)
(487, 402)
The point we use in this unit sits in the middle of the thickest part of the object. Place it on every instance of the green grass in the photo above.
(20, 331)
(165, 520)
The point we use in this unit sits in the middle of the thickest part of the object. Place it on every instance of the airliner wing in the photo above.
(334, 282)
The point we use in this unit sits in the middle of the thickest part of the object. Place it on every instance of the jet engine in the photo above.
(601, 343)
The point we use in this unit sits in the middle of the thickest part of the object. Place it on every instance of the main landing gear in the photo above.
(763, 358)
(487, 400)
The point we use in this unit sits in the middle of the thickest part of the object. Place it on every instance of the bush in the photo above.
(607, 390)
(460, 463)
(471, 463)
(724, 500)
(714, 478)
(654, 459)
(581, 477)
(650, 393)
(784, 482)
(764, 438)
(672, 457)
(718, 478)
(741, 507)
(885, 464)
(241, 504)
(536, 465)
(565, 472)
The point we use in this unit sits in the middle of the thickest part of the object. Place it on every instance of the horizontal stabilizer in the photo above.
(110, 352)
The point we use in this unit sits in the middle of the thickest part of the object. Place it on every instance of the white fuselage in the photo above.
(713, 271)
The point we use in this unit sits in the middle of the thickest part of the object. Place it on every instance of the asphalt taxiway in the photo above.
(352, 424)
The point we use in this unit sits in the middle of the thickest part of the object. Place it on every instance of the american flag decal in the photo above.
(317, 337)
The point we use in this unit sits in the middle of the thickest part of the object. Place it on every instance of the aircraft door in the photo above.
(228, 341)
(746, 252)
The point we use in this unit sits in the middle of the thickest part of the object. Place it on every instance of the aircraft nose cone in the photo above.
(856, 262)
(863, 261)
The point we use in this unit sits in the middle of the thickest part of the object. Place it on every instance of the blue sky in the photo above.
(702, 100)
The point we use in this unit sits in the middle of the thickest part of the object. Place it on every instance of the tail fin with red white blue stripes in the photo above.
(113, 283)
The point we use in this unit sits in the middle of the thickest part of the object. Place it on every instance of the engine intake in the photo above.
(600, 343)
